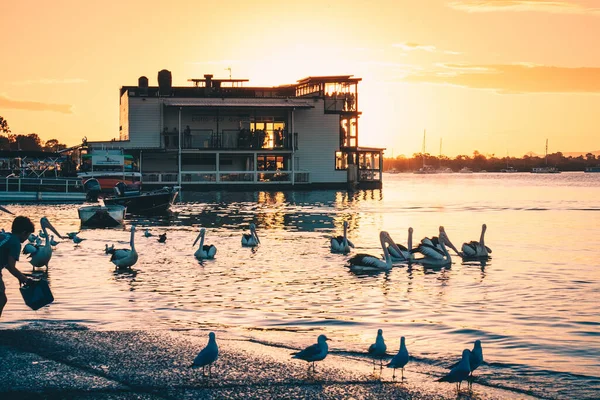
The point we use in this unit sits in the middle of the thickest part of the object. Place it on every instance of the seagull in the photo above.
(400, 359)
(53, 242)
(71, 235)
(377, 349)
(147, 233)
(207, 355)
(41, 234)
(32, 238)
(109, 250)
(315, 352)
(475, 359)
(76, 239)
(460, 372)
(162, 238)
(477, 249)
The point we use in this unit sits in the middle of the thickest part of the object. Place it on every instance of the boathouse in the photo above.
(221, 132)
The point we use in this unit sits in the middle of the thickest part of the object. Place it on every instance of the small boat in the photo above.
(145, 203)
(592, 169)
(465, 170)
(547, 169)
(102, 216)
(508, 170)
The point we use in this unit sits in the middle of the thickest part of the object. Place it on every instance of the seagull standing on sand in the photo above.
(53, 242)
(76, 239)
(377, 349)
(313, 353)
(207, 355)
(460, 372)
(400, 359)
(475, 359)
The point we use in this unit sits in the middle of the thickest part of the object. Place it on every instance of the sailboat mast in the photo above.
(423, 152)
(440, 166)
(546, 152)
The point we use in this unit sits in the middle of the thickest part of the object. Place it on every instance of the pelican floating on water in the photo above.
(341, 244)
(435, 241)
(125, 258)
(39, 254)
(250, 239)
(434, 256)
(367, 262)
(405, 254)
(477, 249)
(204, 252)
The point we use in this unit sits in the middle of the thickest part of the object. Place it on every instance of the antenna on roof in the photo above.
(229, 69)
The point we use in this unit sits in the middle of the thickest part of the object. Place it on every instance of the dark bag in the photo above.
(37, 294)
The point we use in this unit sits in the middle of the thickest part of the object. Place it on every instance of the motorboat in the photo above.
(102, 216)
(143, 203)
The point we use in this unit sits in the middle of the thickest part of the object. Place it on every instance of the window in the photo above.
(341, 161)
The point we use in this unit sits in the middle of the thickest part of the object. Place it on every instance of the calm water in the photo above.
(534, 306)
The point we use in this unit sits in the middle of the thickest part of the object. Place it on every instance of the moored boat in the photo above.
(146, 203)
(102, 216)
(593, 169)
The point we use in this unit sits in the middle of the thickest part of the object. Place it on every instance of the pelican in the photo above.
(53, 242)
(366, 262)
(5, 210)
(39, 254)
(460, 372)
(405, 254)
(400, 360)
(109, 250)
(315, 352)
(162, 238)
(377, 349)
(341, 244)
(477, 249)
(434, 256)
(435, 241)
(208, 355)
(147, 233)
(125, 258)
(204, 252)
(250, 239)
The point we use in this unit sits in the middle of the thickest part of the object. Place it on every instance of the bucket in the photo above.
(37, 294)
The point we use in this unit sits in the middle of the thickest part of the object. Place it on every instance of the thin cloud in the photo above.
(549, 6)
(513, 78)
(6, 102)
(68, 81)
(409, 46)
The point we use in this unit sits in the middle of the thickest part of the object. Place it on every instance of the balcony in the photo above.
(230, 139)
(226, 177)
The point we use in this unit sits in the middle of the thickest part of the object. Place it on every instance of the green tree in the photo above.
(53, 145)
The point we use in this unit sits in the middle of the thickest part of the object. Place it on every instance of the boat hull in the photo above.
(102, 216)
(156, 202)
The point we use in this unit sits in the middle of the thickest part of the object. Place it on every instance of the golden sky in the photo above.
(497, 76)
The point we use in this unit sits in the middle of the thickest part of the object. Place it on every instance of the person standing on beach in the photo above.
(10, 248)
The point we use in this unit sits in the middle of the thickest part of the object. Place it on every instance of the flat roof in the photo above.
(239, 102)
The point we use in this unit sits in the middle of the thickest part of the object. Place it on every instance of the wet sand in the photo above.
(85, 364)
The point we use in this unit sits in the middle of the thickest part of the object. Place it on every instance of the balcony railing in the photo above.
(226, 177)
(230, 139)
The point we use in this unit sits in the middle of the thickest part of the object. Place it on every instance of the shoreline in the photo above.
(156, 364)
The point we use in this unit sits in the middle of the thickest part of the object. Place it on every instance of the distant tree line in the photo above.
(490, 163)
(29, 142)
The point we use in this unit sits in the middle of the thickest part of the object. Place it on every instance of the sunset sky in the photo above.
(497, 76)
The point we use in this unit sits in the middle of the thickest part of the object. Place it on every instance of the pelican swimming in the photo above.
(204, 252)
(405, 254)
(147, 233)
(125, 258)
(39, 254)
(366, 262)
(434, 256)
(250, 239)
(435, 241)
(341, 244)
(477, 249)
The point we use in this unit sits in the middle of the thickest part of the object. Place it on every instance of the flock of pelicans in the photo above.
(430, 252)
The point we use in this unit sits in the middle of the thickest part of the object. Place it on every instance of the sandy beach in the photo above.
(84, 364)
